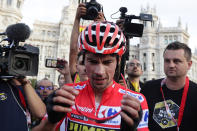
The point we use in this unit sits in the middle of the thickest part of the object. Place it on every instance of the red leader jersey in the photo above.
(105, 116)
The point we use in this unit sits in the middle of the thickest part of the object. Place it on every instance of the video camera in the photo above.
(130, 30)
(93, 8)
(15, 60)
(133, 29)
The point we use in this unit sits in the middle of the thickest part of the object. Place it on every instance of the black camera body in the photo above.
(19, 61)
(133, 29)
(15, 60)
(93, 8)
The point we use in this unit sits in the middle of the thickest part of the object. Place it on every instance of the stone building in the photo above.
(10, 12)
(53, 39)
(151, 46)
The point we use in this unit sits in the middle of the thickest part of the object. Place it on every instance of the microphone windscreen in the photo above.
(18, 32)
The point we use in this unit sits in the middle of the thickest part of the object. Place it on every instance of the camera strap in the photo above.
(23, 102)
(22, 98)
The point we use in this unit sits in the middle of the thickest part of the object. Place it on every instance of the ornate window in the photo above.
(144, 57)
(175, 38)
(18, 4)
(47, 76)
(145, 23)
(170, 39)
(43, 32)
(9, 2)
(152, 24)
(144, 66)
(49, 51)
(54, 34)
(153, 66)
(153, 56)
(49, 33)
(166, 40)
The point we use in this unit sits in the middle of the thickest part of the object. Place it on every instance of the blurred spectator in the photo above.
(80, 74)
(44, 87)
(64, 76)
(61, 80)
(134, 71)
(76, 63)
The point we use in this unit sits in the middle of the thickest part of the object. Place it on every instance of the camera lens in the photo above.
(19, 64)
(92, 12)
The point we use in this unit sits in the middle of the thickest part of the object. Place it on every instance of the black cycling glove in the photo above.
(54, 116)
(125, 127)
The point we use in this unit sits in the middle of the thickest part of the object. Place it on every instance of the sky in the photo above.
(169, 12)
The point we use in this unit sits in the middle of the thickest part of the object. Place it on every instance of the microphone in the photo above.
(3, 33)
(18, 32)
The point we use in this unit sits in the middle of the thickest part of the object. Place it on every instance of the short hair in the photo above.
(81, 53)
(178, 45)
(38, 82)
(127, 64)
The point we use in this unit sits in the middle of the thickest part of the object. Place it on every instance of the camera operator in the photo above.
(17, 99)
(74, 50)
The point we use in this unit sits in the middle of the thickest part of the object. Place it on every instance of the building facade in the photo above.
(151, 46)
(53, 39)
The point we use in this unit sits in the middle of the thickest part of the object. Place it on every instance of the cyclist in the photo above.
(98, 103)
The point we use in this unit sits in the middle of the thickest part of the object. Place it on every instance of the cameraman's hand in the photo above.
(35, 104)
(59, 103)
(100, 17)
(120, 23)
(65, 70)
(131, 112)
(81, 11)
(21, 82)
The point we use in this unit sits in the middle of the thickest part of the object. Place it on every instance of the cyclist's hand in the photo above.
(131, 112)
(59, 103)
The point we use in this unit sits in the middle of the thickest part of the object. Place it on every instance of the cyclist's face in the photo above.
(100, 70)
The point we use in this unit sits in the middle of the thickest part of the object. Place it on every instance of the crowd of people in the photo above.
(88, 96)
